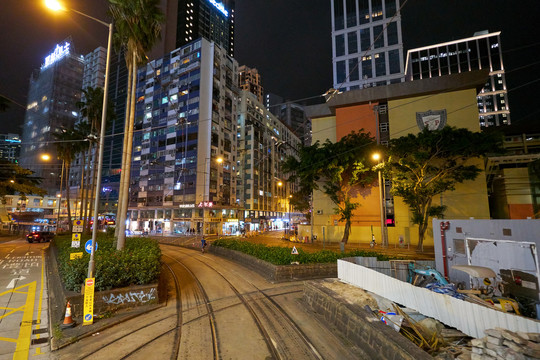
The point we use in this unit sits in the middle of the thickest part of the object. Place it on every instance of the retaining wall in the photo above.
(361, 327)
(278, 273)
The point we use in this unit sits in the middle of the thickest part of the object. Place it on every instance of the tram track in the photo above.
(106, 346)
(270, 318)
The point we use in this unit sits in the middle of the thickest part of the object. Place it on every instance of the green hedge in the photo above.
(137, 264)
(278, 255)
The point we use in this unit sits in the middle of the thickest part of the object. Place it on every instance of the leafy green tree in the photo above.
(338, 169)
(16, 180)
(138, 27)
(430, 163)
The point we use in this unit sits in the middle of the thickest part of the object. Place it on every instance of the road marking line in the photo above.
(25, 334)
(11, 312)
(8, 339)
(41, 289)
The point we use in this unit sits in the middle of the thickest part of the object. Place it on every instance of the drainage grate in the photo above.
(39, 331)
(39, 341)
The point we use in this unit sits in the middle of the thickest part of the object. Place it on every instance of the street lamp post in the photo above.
(55, 5)
(384, 239)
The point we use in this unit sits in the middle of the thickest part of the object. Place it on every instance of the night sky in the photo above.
(288, 41)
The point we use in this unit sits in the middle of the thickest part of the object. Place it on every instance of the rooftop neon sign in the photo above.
(59, 52)
(220, 7)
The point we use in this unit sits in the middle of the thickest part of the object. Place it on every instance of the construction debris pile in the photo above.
(504, 344)
(497, 344)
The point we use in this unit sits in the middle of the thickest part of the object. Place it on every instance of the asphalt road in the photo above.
(24, 323)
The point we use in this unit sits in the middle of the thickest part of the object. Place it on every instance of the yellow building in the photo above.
(389, 112)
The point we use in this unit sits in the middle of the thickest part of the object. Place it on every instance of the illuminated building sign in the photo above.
(59, 52)
(186, 206)
(206, 204)
(220, 7)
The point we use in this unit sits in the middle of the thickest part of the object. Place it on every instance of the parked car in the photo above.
(39, 236)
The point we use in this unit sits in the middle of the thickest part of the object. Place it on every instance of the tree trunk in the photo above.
(129, 139)
(124, 152)
(347, 231)
(423, 227)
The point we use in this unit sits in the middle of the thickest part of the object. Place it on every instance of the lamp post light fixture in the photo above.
(384, 239)
(56, 6)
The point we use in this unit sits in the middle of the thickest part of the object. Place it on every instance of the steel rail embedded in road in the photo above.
(276, 319)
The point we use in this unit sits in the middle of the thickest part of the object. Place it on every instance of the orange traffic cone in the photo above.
(68, 321)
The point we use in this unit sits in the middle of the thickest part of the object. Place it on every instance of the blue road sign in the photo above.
(88, 246)
(88, 317)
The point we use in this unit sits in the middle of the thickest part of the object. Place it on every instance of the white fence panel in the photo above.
(472, 319)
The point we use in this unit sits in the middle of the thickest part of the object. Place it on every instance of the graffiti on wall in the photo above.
(130, 297)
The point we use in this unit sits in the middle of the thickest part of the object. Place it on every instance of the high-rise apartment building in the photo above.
(94, 77)
(184, 150)
(211, 19)
(54, 92)
(250, 80)
(481, 51)
(264, 143)
(10, 147)
(367, 46)
(94, 68)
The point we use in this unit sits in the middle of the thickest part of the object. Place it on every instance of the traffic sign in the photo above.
(75, 240)
(78, 226)
(88, 246)
(76, 255)
(89, 300)
(294, 251)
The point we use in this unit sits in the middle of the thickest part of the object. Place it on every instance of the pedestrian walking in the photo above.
(203, 244)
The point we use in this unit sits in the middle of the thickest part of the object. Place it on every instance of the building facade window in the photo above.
(390, 8)
(392, 33)
(340, 71)
(340, 45)
(338, 14)
(393, 61)
(378, 37)
(365, 39)
(351, 12)
(380, 64)
(363, 11)
(366, 67)
(352, 42)
(353, 69)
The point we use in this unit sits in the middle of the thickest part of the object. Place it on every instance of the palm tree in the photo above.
(91, 108)
(66, 148)
(138, 27)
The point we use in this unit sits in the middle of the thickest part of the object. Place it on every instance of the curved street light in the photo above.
(57, 6)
